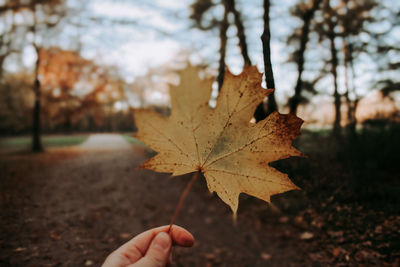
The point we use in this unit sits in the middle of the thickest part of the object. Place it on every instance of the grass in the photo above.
(140, 147)
(22, 142)
(132, 140)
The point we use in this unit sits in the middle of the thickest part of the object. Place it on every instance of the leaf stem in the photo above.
(182, 199)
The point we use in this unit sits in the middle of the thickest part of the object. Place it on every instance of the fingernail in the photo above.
(188, 240)
(162, 240)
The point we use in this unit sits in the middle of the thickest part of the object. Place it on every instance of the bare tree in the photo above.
(42, 25)
(260, 113)
(331, 35)
(199, 8)
(231, 7)
(327, 30)
(353, 19)
(306, 13)
(223, 27)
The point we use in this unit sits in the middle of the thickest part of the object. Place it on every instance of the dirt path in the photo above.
(105, 142)
(78, 211)
(73, 206)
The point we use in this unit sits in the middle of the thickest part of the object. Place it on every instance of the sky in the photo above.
(160, 31)
(136, 48)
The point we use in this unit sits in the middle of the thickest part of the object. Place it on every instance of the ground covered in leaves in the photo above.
(73, 206)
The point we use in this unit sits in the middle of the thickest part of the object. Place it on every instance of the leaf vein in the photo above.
(238, 149)
(247, 176)
(169, 139)
(225, 126)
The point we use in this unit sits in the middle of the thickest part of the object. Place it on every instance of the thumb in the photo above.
(158, 253)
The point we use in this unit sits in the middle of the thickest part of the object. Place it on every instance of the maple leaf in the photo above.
(232, 153)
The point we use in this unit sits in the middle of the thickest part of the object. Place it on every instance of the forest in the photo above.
(81, 82)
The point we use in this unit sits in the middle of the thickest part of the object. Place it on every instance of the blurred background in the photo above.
(71, 69)
(335, 64)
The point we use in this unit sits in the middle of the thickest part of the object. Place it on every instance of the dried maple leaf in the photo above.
(232, 153)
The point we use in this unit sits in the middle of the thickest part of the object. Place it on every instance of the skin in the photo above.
(150, 249)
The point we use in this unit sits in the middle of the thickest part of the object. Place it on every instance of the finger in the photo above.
(158, 253)
(180, 237)
(136, 248)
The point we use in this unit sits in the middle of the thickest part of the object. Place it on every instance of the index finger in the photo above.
(137, 246)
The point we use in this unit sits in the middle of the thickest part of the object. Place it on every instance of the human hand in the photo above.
(149, 249)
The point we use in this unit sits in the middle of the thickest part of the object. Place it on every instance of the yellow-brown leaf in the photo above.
(232, 153)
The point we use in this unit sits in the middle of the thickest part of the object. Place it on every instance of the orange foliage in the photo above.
(73, 86)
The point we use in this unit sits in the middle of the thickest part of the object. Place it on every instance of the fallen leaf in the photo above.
(265, 256)
(336, 234)
(89, 263)
(367, 243)
(125, 235)
(316, 256)
(378, 229)
(306, 236)
(284, 219)
(208, 220)
(232, 153)
(336, 252)
(209, 256)
(361, 255)
(54, 235)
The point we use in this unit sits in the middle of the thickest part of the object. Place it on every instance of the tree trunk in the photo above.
(352, 126)
(2, 58)
(334, 63)
(351, 104)
(230, 6)
(36, 141)
(222, 49)
(260, 113)
(307, 17)
(345, 52)
(68, 123)
(348, 62)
